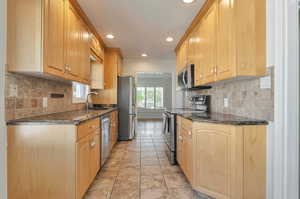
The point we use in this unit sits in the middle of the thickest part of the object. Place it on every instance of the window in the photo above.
(141, 96)
(80, 92)
(150, 97)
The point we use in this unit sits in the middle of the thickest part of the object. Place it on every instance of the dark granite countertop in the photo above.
(220, 118)
(70, 117)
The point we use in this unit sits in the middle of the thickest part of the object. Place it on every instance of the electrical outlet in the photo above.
(265, 82)
(13, 90)
(226, 102)
(45, 102)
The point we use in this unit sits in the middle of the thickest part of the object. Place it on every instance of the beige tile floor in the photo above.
(139, 169)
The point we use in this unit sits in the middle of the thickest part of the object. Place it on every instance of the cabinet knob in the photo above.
(93, 144)
(190, 132)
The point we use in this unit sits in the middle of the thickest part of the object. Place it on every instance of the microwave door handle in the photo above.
(183, 78)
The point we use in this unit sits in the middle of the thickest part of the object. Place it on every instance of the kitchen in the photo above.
(80, 124)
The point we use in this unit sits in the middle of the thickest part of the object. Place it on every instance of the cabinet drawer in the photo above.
(87, 127)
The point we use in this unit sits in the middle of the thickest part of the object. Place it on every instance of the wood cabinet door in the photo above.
(110, 63)
(199, 56)
(120, 64)
(184, 57)
(54, 36)
(179, 151)
(72, 41)
(94, 155)
(85, 64)
(191, 51)
(188, 155)
(225, 40)
(83, 178)
(179, 142)
(213, 158)
(209, 41)
(250, 30)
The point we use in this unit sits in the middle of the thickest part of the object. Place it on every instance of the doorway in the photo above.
(153, 94)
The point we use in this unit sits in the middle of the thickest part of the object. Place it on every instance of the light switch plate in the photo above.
(226, 102)
(45, 102)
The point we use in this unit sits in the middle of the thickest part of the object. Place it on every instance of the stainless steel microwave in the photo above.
(186, 78)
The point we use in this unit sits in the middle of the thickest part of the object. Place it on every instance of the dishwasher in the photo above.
(105, 127)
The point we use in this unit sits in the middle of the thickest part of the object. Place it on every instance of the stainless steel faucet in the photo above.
(87, 99)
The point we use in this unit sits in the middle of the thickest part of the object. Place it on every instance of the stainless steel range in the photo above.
(200, 105)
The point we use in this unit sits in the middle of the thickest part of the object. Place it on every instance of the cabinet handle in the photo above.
(93, 144)
(66, 68)
(216, 69)
(190, 133)
(212, 71)
(92, 127)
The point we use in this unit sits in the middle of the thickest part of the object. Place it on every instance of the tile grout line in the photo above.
(168, 190)
(115, 181)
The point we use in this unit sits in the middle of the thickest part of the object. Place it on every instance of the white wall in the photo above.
(134, 66)
(3, 194)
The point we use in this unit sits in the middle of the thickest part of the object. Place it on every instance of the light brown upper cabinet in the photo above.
(209, 43)
(182, 58)
(226, 64)
(231, 37)
(54, 37)
(96, 47)
(48, 38)
(112, 64)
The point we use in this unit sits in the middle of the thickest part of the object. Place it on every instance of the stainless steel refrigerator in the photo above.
(127, 108)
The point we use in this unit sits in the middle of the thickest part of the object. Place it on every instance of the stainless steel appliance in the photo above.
(202, 102)
(127, 108)
(186, 78)
(105, 127)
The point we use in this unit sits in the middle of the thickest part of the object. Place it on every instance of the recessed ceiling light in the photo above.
(144, 55)
(110, 36)
(188, 1)
(169, 39)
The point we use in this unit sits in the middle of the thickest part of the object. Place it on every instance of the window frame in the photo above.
(83, 98)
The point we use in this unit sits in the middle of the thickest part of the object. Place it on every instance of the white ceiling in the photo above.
(141, 26)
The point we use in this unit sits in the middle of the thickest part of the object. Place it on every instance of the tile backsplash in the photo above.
(24, 96)
(245, 98)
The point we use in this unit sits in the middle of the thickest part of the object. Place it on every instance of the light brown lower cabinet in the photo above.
(113, 129)
(52, 161)
(224, 161)
(88, 162)
(184, 146)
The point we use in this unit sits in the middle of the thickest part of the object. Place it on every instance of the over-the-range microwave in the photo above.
(186, 78)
